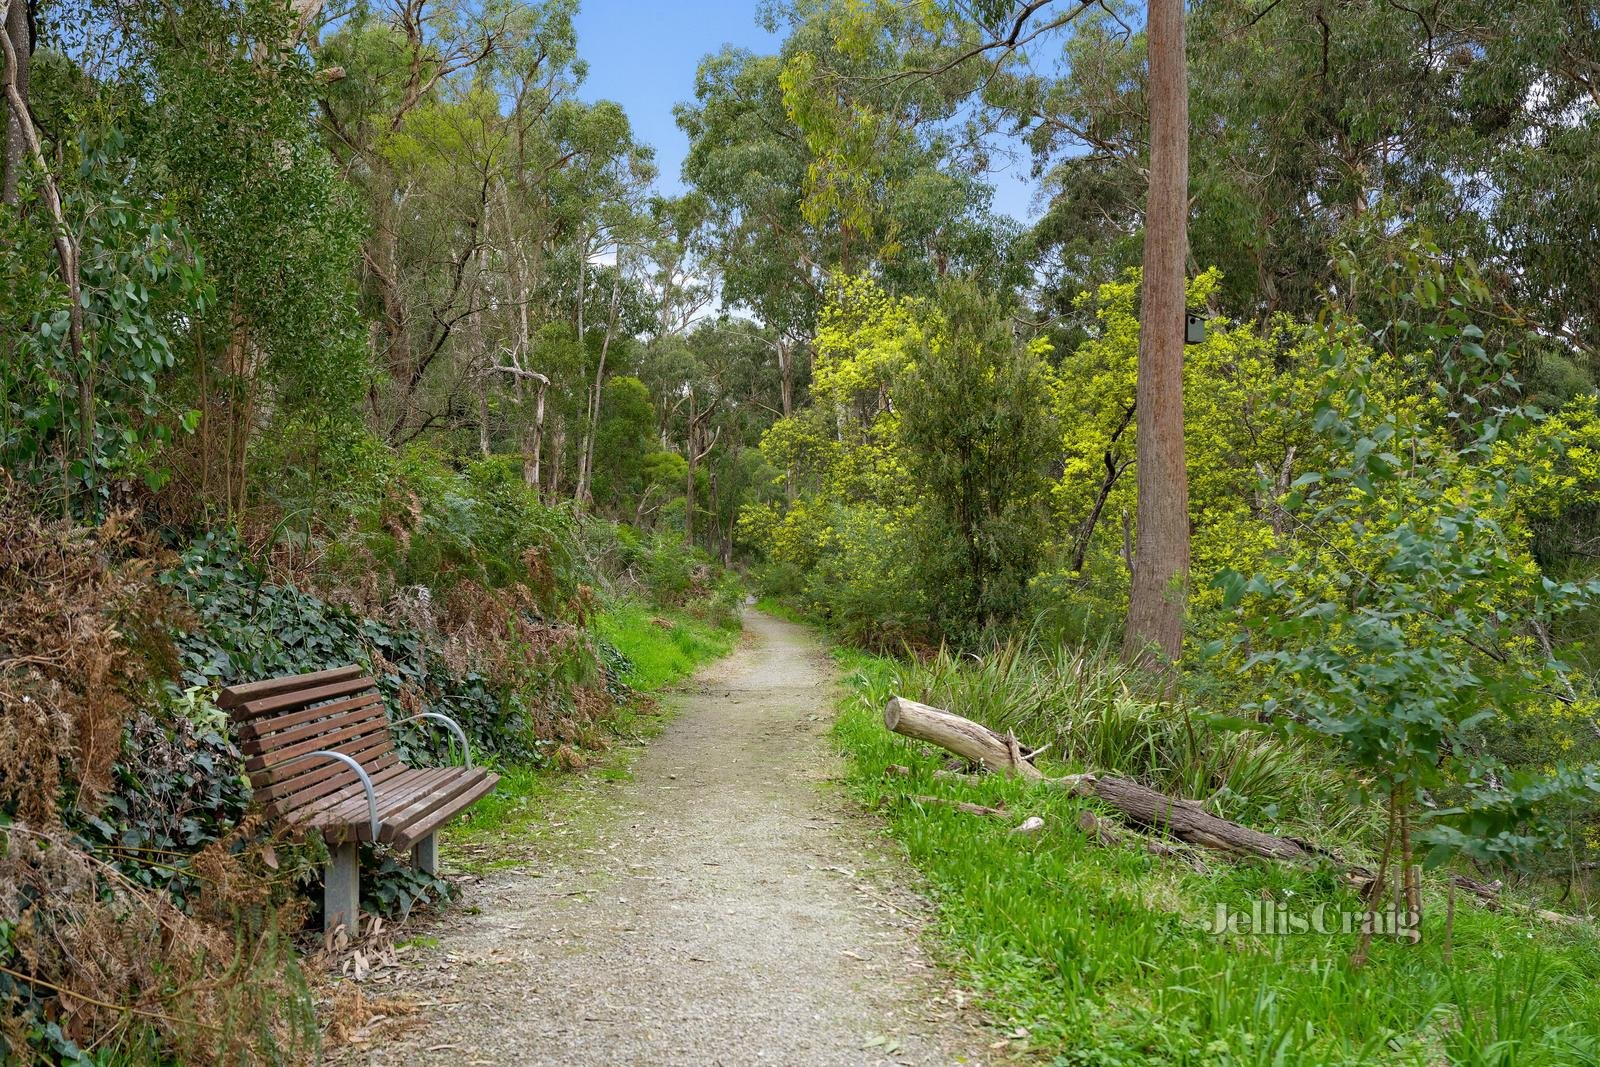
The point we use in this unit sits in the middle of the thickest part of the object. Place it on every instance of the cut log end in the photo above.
(965, 738)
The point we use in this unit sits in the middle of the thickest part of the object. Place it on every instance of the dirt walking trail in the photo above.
(728, 911)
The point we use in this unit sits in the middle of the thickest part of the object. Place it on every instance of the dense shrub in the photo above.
(127, 870)
(976, 420)
(246, 627)
(1401, 616)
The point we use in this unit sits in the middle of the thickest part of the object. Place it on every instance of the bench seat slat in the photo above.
(390, 794)
(412, 821)
(423, 827)
(400, 801)
(333, 789)
(446, 792)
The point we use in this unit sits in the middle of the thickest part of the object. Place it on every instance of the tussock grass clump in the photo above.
(1092, 712)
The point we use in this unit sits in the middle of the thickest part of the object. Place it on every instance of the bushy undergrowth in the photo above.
(139, 908)
(661, 569)
(143, 912)
(1099, 954)
(246, 627)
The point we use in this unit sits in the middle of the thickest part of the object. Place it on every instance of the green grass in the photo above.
(1100, 954)
(664, 646)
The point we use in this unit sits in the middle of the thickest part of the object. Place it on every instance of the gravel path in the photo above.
(730, 910)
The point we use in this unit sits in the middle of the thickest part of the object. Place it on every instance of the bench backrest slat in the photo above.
(279, 719)
(238, 694)
(262, 729)
(367, 714)
(282, 703)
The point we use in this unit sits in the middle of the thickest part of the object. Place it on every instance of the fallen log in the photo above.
(1100, 831)
(962, 736)
(1183, 819)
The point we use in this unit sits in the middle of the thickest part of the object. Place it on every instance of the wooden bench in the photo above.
(320, 754)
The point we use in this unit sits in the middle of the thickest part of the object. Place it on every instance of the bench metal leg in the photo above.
(425, 855)
(342, 895)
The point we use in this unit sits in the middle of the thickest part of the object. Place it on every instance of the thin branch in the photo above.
(1010, 43)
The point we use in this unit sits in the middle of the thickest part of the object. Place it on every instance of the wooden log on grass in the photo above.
(1106, 834)
(965, 738)
(1138, 804)
(1184, 819)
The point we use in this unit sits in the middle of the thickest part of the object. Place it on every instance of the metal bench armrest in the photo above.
(349, 761)
(450, 724)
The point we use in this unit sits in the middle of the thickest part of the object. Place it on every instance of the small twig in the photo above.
(890, 903)
(959, 805)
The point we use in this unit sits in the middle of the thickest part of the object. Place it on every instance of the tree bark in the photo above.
(533, 443)
(66, 247)
(1184, 819)
(965, 738)
(733, 521)
(698, 419)
(785, 348)
(692, 454)
(558, 453)
(483, 417)
(1154, 634)
(585, 493)
(15, 27)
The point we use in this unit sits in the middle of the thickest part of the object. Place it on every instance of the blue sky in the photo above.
(644, 54)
